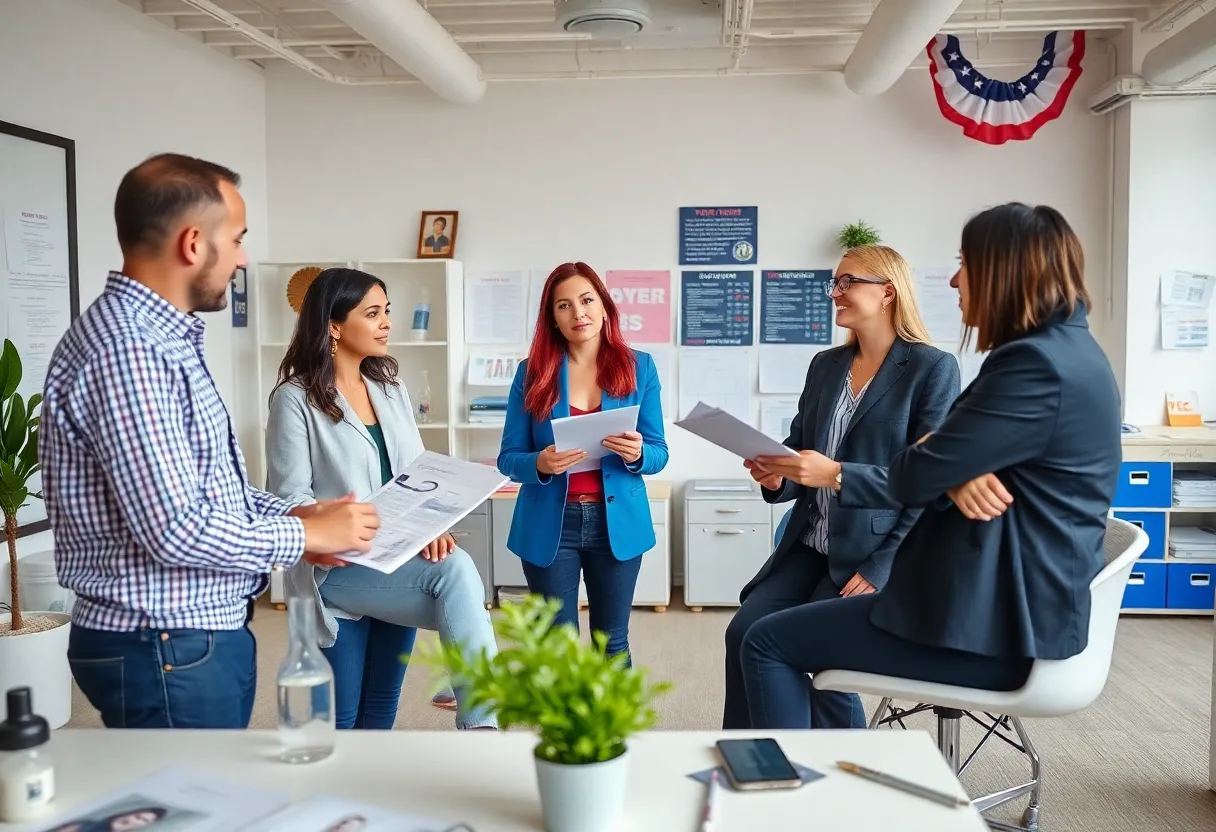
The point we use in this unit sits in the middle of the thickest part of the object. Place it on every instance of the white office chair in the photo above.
(1054, 688)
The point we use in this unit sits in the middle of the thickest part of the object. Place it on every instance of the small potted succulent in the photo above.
(857, 234)
(582, 704)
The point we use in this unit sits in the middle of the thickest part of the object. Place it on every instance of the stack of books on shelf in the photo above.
(1192, 543)
(488, 410)
(1194, 490)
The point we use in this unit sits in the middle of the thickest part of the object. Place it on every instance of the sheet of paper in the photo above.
(493, 369)
(494, 311)
(938, 304)
(731, 434)
(38, 316)
(722, 376)
(1187, 289)
(335, 814)
(776, 416)
(665, 363)
(36, 241)
(431, 495)
(176, 798)
(536, 287)
(969, 364)
(783, 369)
(587, 433)
(1184, 327)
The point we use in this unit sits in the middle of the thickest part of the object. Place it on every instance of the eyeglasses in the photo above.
(841, 284)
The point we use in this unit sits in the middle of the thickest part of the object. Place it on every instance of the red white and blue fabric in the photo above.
(994, 111)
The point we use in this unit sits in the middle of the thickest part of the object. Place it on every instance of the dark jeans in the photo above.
(166, 678)
(610, 582)
(368, 658)
(799, 578)
(780, 649)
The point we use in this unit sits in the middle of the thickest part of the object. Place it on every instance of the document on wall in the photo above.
(493, 369)
(587, 433)
(722, 375)
(731, 434)
(664, 356)
(36, 241)
(938, 303)
(776, 415)
(1184, 327)
(1187, 289)
(783, 369)
(494, 311)
(430, 496)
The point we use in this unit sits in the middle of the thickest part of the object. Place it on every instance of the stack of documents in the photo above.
(1194, 490)
(1193, 542)
(488, 410)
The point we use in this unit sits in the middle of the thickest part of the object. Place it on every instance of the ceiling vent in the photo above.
(603, 18)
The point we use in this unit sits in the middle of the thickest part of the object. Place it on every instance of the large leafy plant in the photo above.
(582, 704)
(18, 460)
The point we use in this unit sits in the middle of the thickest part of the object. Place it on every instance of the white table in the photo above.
(488, 779)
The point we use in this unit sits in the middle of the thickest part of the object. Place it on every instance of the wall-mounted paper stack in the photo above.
(1192, 543)
(731, 434)
(1194, 490)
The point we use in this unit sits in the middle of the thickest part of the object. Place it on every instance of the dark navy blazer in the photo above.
(1043, 415)
(908, 398)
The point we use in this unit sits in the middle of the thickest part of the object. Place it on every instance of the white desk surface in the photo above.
(488, 779)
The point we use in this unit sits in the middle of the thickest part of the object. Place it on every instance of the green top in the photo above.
(386, 467)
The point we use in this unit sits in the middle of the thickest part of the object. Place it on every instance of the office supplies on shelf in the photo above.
(587, 433)
(901, 784)
(711, 803)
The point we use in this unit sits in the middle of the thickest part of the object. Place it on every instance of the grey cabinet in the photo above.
(472, 534)
(728, 537)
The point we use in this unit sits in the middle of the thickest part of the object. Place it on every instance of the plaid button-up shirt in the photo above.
(154, 520)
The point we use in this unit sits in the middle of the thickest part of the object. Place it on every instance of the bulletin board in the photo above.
(39, 262)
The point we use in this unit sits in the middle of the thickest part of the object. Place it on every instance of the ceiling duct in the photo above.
(895, 36)
(407, 34)
(603, 18)
(1184, 57)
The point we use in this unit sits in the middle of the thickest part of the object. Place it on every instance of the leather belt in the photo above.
(585, 498)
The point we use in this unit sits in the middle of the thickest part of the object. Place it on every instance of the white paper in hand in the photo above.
(588, 432)
(734, 435)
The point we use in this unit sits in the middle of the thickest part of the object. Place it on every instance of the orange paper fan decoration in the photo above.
(297, 287)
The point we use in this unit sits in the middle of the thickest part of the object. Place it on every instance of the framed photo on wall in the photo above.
(437, 234)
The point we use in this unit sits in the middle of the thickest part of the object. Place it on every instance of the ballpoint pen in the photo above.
(711, 803)
(903, 785)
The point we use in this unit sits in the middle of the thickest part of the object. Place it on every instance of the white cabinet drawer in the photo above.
(658, 512)
(721, 558)
(728, 511)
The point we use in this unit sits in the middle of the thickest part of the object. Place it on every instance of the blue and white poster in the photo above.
(795, 307)
(718, 236)
(716, 309)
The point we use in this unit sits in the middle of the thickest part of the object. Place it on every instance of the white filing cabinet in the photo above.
(728, 538)
(654, 579)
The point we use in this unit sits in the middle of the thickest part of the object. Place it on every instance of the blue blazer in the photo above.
(1043, 415)
(536, 527)
(909, 397)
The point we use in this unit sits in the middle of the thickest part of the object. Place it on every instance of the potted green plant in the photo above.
(858, 234)
(33, 647)
(582, 704)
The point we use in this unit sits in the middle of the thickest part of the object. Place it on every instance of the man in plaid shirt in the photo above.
(157, 529)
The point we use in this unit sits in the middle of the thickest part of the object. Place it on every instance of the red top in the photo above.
(585, 482)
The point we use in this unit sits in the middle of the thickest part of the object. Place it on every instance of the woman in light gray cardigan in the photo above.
(341, 424)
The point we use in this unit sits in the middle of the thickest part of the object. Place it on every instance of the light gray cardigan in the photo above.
(310, 458)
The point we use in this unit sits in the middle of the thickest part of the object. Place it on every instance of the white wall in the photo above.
(124, 86)
(547, 172)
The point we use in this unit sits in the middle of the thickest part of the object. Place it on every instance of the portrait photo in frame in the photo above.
(437, 234)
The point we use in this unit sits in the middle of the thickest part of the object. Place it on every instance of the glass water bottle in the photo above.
(424, 399)
(306, 690)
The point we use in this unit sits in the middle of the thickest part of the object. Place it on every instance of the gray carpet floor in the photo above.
(1135, 760)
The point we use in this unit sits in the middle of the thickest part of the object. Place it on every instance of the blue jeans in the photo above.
(781, 649)
(369, 660)
(448, 597)
(166, 678)
(799, 578)
(610, 582)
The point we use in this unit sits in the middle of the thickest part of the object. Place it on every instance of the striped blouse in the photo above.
(817, 533)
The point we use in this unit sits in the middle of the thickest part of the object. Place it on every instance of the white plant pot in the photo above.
(39, 661)
(583, 798)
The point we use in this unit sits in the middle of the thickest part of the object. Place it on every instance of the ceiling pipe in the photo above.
(1184, 57)
(896, 34)
(408, 35)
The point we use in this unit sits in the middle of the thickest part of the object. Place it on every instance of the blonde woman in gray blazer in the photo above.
(340, 425)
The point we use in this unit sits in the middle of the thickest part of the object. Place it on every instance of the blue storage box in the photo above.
(1153, 523)
(1145, 586)
(1145, 485)
(1192, 586)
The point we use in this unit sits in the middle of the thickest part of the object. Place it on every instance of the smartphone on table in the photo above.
(760, 764)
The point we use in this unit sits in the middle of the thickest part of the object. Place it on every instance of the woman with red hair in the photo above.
(594, 521)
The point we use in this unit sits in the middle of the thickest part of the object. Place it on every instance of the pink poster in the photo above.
(644, 301)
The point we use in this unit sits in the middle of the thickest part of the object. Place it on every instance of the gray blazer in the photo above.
(310, 458)
(909, 397)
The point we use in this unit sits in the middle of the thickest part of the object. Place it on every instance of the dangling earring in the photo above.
(333, 346)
